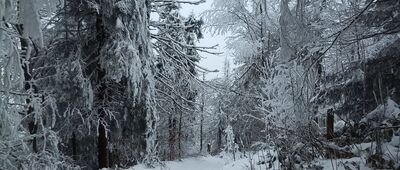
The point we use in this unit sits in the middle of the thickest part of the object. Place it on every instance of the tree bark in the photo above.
(329, 124)
(102, 147)
(219, 137)
(74, 147)
(201, 133)
(172, 138)
(28, 86)
(102, 140)
(180, 136)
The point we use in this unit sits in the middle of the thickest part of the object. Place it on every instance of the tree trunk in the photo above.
(201, 133)
(33, 130)
(180, 136)
(28, 86)
(172, 138)
(102, 147)
(202, 115)
(329, 124)
(102, 140)
(219, 135)
(74, 147)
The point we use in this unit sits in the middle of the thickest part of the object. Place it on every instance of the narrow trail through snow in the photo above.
(196, 163)
(216, 163)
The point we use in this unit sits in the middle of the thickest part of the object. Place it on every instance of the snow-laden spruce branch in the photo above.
(184, 45)
(188, 57)
(174, 101)
(250, 26)
(159, 78)
(355, 39)
(223, 89)
(339, 34)
(206, 84)
(168, 2)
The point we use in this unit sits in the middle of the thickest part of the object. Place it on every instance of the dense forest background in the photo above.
(89, 84)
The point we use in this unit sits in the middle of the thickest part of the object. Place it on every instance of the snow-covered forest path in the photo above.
(195, 163)
(243, 163)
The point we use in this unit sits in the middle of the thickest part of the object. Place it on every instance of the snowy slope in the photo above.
(197, 163)
(217, 163)
(222, 162)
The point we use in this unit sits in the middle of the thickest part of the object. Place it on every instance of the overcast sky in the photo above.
(208, 61)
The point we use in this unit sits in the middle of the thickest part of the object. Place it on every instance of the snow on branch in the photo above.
(180, 2)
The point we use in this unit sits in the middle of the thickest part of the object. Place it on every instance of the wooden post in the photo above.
(329, 124)
(329, 131)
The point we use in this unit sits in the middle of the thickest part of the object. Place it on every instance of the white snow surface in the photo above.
(344, 164)
(224, 161)
(265, 159)
(391, 110)
(219, 163)
(195, 163)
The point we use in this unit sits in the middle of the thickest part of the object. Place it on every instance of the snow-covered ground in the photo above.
(215, 163)
(219, 163)
(265, 159)
(344, 164)
(196, 163)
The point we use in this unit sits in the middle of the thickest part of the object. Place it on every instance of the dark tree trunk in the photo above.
(172, 138)
(101, 97)
(180, 136)
(202, 118)
(28, 86)
(201, 133)
(329, 124)
(102, 140)
(74, 147)
(102, 147)
(33, 130)
(219, 135)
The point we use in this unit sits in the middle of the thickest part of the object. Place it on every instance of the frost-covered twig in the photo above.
(166, 2)
(339, 33)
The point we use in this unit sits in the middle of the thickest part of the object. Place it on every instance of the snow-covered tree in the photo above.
(177, 79)
(231, 146)
(28, 139)
(106, 52)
